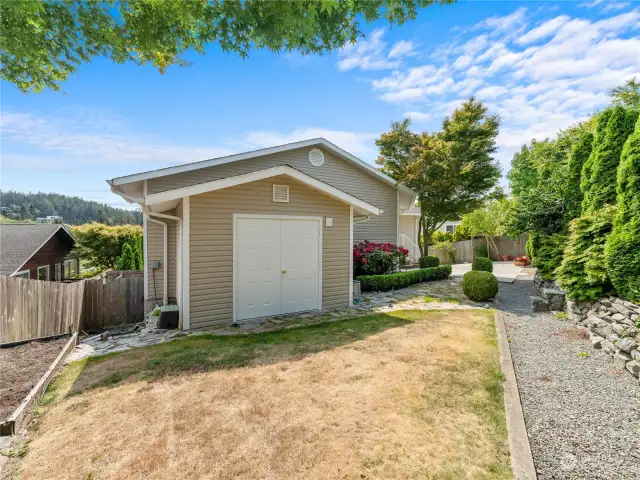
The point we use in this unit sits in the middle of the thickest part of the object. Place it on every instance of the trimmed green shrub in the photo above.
(481, 251)
(429, 261)
(483, 264)
(622, 250)
(582, 273)
(394, 281)
(549, 255)
(602, 189)
(479, 285)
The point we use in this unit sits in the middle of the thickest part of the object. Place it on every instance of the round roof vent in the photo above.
(316, 157)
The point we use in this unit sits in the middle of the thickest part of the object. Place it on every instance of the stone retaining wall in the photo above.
(614, 326)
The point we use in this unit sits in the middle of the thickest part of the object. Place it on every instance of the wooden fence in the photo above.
(115, 301)
(465, 249)
(34, 309)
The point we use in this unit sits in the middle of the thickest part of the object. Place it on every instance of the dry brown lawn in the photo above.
(408, 395)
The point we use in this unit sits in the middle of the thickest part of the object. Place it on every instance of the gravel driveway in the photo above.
(582, 415)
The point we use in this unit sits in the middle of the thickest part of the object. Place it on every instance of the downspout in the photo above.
(165, 299)
(178, 220)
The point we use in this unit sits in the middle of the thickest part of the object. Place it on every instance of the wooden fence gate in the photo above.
(112, 301)
(465, 249)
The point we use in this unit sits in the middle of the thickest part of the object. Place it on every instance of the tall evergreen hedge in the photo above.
(622, 250)
(583, 273)
(579, 155)
(587, 168)
(602, 184)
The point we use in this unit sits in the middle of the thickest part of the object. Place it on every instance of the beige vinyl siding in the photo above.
(211, 244)
(335, 171)
(155, 251)
(408, 227)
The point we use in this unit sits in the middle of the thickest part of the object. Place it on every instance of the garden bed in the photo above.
(22, 367)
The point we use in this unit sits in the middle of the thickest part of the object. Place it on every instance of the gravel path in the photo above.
(582, 415)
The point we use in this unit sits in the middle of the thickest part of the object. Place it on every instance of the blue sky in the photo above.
(541, 65)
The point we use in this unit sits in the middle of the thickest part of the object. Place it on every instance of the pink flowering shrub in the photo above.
(377, 258)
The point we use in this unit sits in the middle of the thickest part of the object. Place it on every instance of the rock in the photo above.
(617, 317)
(626, 345)
(634, 317)
(605, 302)
(634, 368)
(554, 297)
(635, 354)
(539, 304)
(631, 306)
(618, 328)
(607, 346)
(604, 330)
(105, 336)
(620, 359)
(613, 338)
(596, 341)
(632, 331)
(622, 309)
(594, 321)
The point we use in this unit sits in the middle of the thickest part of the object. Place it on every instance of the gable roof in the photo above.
(20, 241)
(172, 195)
(161, 172)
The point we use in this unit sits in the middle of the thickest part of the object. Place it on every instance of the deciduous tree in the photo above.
(452, 171)
(42, 42)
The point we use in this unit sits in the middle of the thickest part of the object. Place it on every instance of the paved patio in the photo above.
(505, 272)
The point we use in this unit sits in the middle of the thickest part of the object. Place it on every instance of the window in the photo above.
(451, 228)
(23, 274)
(69, 268)
(43, 273)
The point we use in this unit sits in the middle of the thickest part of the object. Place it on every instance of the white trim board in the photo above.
(286, 170)
(253, 154)
(236, 216)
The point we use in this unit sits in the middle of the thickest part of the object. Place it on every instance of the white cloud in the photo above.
(418, 116)
(358, 143)
(543, 31)
(367, 54)
(83, 142)
(554, 72)
(403, 48)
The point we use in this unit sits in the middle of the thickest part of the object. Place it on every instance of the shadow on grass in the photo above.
(200, 353)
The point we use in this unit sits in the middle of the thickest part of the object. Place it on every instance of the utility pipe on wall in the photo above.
(165, 299)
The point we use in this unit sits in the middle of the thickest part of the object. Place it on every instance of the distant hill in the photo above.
(73, 210)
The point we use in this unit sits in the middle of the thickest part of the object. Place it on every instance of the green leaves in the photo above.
(42, 42)
(452, 171)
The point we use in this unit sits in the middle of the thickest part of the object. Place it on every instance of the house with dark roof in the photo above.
(37, 251)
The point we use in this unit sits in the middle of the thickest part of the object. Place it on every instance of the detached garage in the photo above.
(256, 244)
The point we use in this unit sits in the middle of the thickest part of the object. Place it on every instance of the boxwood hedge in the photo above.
(393, 281)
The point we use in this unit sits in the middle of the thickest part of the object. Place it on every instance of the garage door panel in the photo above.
(300, 261)
(258, 283)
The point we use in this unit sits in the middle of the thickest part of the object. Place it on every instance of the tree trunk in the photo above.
(420, 227)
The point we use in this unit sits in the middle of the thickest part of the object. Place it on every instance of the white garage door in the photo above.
(277, 265)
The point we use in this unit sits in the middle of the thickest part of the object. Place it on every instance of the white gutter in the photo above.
(165, 299)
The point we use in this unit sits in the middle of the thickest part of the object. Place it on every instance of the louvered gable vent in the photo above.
(281, 193)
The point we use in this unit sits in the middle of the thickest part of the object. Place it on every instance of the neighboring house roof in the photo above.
(253, 154)
(172, 195)
(20, 241)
